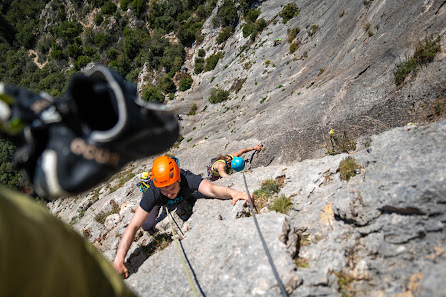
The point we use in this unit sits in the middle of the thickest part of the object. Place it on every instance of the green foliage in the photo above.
(424, 53)
(313, 30)
(201, 52)
(248, 28)
(138, 7)
(188, 31)
(100, 217)
(267, 189)
(292, 33)
(347, 168)
(81, 62)
(227, 14)
(152, 94)
(218, 95)
(294, 46)
(9, 175)
(245, 5)
(173, 57)
(341, 144)
(344, 282)
(199, 65)
(252, 15)
(26, 34)
(68, 30)
(193, 109)
(281, 204)
(212, 61)
(167, 85)
(108, 8)
(289, 11)
(159, 242)
(185, 83)
(224, 35)
(124, 4)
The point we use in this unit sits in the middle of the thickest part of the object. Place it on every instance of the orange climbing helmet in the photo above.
(165, 172)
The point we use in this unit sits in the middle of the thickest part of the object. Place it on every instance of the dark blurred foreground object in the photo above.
(69, 145)
(41, 256)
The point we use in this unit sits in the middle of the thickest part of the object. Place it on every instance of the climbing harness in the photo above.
(143, 186)
(270, 259)
(181, 254)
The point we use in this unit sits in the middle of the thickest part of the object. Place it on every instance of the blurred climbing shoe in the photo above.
(68, 145)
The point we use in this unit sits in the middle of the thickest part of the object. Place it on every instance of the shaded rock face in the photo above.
(380, 234)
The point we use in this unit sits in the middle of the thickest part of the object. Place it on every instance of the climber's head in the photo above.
(166, 176)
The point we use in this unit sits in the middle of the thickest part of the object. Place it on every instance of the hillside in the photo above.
(379, 234)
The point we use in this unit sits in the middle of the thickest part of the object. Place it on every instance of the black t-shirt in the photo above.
(189, 184)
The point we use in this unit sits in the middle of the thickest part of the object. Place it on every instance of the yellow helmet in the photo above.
(144, 175)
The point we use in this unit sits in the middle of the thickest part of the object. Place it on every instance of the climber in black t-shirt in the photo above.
(170, 183)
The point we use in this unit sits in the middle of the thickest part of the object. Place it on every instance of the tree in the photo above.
(152, 94)
(9, 175)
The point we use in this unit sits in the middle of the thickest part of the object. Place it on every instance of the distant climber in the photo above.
(221, 166)
(277, 41)
(170, 185)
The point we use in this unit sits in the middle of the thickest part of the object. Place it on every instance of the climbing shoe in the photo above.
(69, 145)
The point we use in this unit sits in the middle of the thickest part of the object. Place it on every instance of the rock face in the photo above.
(382, 233)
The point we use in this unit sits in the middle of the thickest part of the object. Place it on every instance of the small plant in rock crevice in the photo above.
(267, 189)
(347, 168)
(282, 204)
(344, 282)
(100, 217)
(424, 53)
(341, 144)
(193, 109)
(159, 243)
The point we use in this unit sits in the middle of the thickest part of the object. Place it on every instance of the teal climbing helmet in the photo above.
(238, 164)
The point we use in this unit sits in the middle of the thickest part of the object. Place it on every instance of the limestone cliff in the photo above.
(382, 233)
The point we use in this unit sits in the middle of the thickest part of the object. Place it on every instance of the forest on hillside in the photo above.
(43, 43)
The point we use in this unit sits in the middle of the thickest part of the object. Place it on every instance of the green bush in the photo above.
(292, 33)
(294, 46)
(224, 35)
(81, 62)
(212, 61)
(188, 31)
(227, 14)
(218, 95)
(289, 11)
(108, 8)
(313, 30)
(347, 168)
(424, 53)
(261, 24)
(248, 28)
(281, 204)
(9, 176)
(185, 83)
(253, 14)
(199, 65)
(201, 52)
(152, 94)
(193, 109)
(167, 85)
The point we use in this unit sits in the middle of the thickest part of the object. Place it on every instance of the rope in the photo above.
(181, 255)
(270, 259)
